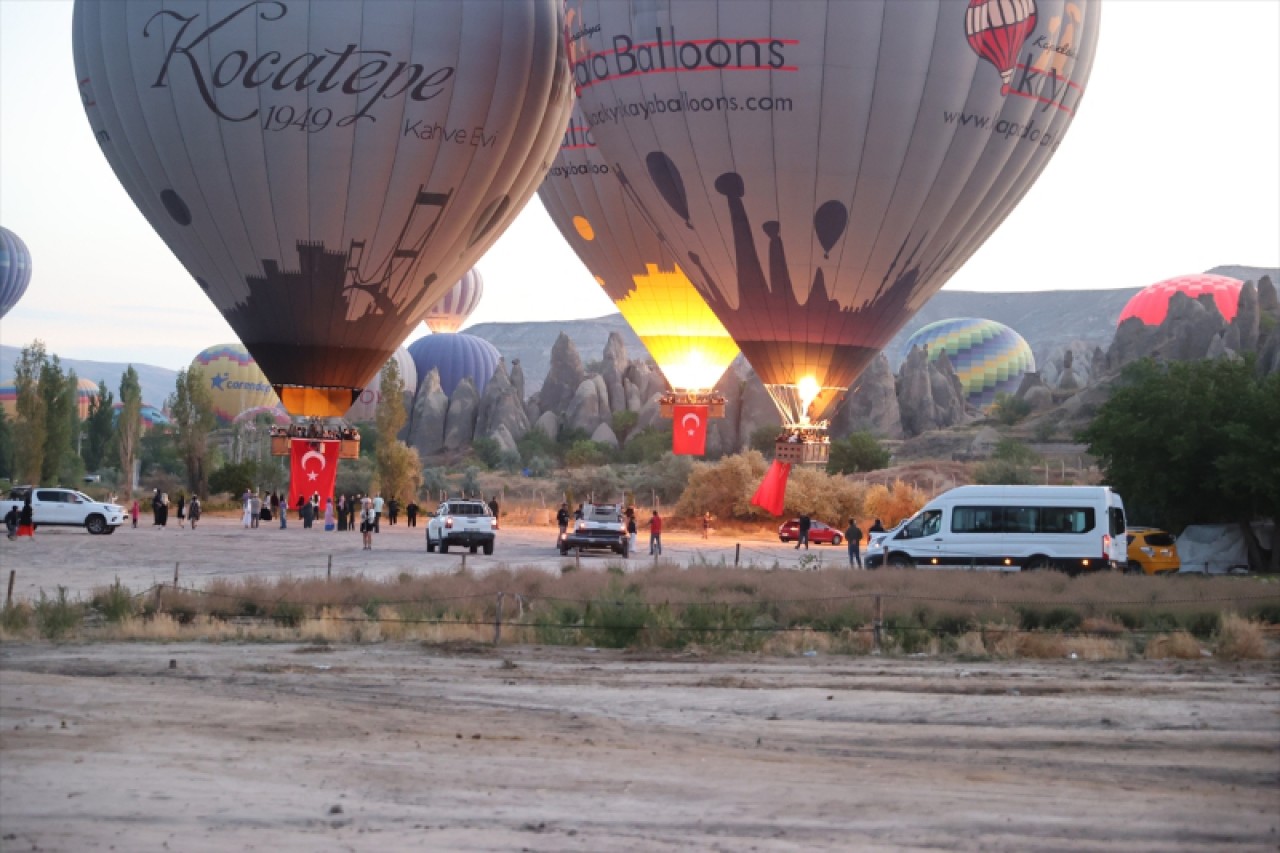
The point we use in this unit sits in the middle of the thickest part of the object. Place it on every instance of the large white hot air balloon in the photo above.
(325, 170)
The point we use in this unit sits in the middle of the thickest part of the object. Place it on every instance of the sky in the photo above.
(1172, 166)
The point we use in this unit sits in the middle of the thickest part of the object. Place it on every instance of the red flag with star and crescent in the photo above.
(689, 435)
(313, 467)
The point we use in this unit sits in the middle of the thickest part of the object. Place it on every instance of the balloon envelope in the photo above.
(821, 168)
(234, 380)
(455, 357)
(1151, 304)
(590, 207)
(365, 408)
(989, 357)
(325, 170)
(15, 269)
(456, 306)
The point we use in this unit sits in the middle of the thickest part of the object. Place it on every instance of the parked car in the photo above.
(58, 507)
(469, 524)
(1152, 551)
(819, 533)
(600, 528)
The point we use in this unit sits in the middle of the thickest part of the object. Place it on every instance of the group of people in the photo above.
(563, 517)
(315, 429)
(17, 522)
(853, 536)
(799, 436)
(160, 510)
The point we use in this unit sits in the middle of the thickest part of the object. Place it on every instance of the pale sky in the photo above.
(1172, 166)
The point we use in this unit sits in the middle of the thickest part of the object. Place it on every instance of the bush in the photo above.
(434, 484)
(234, 478)
(470, 485)
(509, 461)
(583, 453)
(56, 617)
(535, 443)
(1240, 639)
(762, 439)
(859, 452)
(539, 465)
(15, 618)
(1009, 409)
(892, 503)
(116, 602)
(601, 484)
(666, 478)
(723, 488)
(647, 446)
(623, 421)
(614, 619)
(487, 450)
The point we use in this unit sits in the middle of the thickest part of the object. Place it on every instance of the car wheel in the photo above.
(564, 551)
(95, 524)
(784, 540)
(1037, 563)
(488, 548)
(898, 560)
(472, 549)
(836, 540)
(1133, 567)
(444, 546)
(431, 546)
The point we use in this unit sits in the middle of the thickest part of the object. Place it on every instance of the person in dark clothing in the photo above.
(393, 511)
(562, 518)
(805, 524)
(853, 536)
(411, 514)
(26, 527)
(11, 521)
(578, 513)
(877, 527)
(155, 509)
(493, 505)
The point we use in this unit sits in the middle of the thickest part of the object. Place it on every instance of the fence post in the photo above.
(464, 563)
(8, 598)
(328, 572)
(497, 621)
(737, 553)
(159, 590)
(577, 559)
(175, 574)
(876, 625)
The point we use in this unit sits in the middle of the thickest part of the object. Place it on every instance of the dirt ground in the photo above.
(386, 747)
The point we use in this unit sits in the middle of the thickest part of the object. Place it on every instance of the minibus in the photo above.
(1010, 528)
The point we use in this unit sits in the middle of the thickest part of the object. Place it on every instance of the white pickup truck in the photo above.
(461, 523)
(65, 508)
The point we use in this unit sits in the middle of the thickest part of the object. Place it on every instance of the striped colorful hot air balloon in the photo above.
(456, 306)
(989, 357)
(235, 381)
(15, 269)
(996, 31)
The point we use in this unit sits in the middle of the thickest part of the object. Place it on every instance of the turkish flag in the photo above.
(690, 430)
(772, 494)
(313, 467)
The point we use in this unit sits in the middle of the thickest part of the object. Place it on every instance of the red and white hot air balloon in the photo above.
(996, 31)
(456, 306)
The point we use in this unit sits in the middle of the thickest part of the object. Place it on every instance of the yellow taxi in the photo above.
(1152, 551)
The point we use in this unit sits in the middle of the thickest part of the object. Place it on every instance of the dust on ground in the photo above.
(288, 747)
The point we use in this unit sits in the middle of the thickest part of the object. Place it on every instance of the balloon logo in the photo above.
(325, 170)
(997, 30)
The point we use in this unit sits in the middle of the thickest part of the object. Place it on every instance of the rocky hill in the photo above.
(157, 382)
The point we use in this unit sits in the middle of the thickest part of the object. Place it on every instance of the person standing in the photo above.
(377, 513)
(853, 536)
(246, 517)
(26, 524)
(133, 513)
(493, 505)
(274, 503)
(308, 514)
(655, 533)
(367, 521)
(578, 513)
(805, 524)
(631, 528)
(342, 513)
(393, 511)
(562, 518)
(328, 514)
(11, 521)
(193, 510)
(411, 514)
(155, 509)
(706, 525)
(877, 527)
(164, 509)
(182, 509)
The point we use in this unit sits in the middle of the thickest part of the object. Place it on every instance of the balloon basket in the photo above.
(279, 445)
(714, 401)
(806, 444)
(350, 449)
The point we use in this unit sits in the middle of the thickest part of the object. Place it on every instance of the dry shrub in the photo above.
(1179, 645)
(797, 643)
(971, 645)
(893, 502)
(1102, 626)
(1240, 639)
(1095, 648)
(833, 499)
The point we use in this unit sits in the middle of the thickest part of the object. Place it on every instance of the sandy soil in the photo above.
(222, 547)
(281, 747)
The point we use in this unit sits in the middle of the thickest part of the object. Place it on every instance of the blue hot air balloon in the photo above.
(455, 356)
(15, 269)
(989, 357)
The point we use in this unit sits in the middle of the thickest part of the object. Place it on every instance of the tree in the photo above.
(59, 391)
(1194, 442)
(99, 427)
(859, 452)
(29, 432)
(191, 413)
(6, 445)
(1010, 465)
(129, 424)
(399, 468)
(234, 478)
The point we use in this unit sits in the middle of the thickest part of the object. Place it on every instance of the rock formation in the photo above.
(872, 404)
(604, 434)
(583, 409)
(930, 395)
(549, 424)
(500, 405)
(563, 379)
(613, 369)
(426, 424)
(460, 422)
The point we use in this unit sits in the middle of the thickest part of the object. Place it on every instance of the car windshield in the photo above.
(1161, 539)
(468, 509)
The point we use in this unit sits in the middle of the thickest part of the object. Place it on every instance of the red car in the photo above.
(819, 533)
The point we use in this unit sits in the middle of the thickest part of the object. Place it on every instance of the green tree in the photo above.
(859, 452)
(191, 413)
(399, 468)
(1010, 465)
(59, 391)
(129, 425)
(29, 432)
(234, 478)
(1194, 442)
(1008, 409)
(6, 445)
(98, 428)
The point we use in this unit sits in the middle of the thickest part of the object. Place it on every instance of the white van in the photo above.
(1010, 528)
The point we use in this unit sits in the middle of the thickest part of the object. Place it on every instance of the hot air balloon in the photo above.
(997, 30)
(86, 390)
(276, 415)
(1151, 304)
(455, 357)
(235, 381)
(456, 306)
(15, 269)
(989, 357)
(590, 207)
(365, 408)
(820, 169)
(325, 171)
(151, 416)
